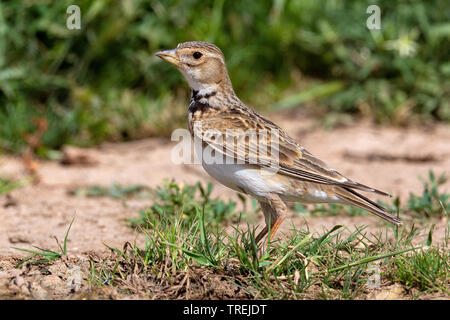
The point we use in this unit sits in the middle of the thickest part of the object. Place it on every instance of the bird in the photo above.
(273, 168)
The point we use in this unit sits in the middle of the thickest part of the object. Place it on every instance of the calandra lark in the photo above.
(216, 110)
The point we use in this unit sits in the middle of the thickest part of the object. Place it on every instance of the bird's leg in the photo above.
(274, 211)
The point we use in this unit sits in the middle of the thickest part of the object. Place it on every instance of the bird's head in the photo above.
(201, 63)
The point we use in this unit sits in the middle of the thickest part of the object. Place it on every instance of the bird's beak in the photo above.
(170, 56)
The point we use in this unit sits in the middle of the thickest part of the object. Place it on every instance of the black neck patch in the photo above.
(196, 96)
(197, 105)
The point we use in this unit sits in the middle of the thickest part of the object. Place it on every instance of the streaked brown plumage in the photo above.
(215, 110)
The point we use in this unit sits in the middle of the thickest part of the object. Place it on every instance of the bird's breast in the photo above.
(200, 109)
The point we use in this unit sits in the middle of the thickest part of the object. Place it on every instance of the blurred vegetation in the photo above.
(7, 185)
(103, 81)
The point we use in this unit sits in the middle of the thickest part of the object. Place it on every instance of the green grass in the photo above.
(104, 83)
(187, 235)
(173, 197)
(115, 191)
(306, 264)
(182, 232)
(7, 185)
(45, 255)
(432, 202)
(427, 270)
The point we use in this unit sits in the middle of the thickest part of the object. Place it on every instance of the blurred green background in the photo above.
(104, 83)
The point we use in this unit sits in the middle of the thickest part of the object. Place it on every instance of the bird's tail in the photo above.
(354, 198)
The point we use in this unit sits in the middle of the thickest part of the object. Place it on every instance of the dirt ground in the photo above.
(389, 159)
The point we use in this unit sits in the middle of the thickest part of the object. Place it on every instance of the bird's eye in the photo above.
(197, 55)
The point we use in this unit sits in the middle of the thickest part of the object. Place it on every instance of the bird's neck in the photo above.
(204, 91)
(216, 96)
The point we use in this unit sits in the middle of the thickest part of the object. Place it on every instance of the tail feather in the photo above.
(360, 186)
(354, 198)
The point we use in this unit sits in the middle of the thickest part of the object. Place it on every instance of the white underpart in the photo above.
(318, 196)
(242, 177)
(310, 196)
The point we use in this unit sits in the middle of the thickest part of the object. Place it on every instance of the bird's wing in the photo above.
(247, 137)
